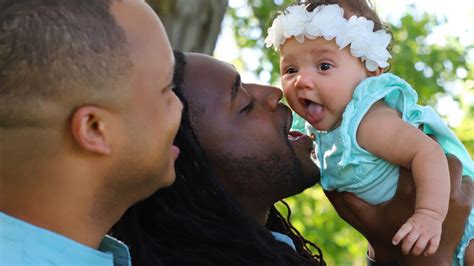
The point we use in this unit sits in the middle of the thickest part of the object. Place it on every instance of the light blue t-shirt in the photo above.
(22, 243)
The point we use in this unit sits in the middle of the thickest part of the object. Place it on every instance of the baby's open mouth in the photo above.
(314, 112)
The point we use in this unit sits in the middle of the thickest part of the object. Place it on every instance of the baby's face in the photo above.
(318, 80)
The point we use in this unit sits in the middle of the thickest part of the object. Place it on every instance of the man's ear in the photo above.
(89, 127)
(377, 72)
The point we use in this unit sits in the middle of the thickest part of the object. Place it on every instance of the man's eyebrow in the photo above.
(235, 88)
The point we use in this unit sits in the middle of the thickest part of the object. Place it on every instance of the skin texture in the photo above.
(77, 175)
(311, 76)
(257, 178)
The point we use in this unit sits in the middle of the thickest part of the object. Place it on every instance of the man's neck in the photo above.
(75, 211)
(45, 184)
(67, 219)
(258, 212)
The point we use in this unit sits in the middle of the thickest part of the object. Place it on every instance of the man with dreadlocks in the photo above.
(236, 162)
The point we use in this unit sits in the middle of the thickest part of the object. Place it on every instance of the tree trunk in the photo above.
(191, 25)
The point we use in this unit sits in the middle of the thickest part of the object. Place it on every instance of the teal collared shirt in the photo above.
(22, 243)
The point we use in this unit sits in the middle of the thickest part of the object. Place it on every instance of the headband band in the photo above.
(328, 21)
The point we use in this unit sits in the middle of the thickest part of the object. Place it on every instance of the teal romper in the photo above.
(345, 166)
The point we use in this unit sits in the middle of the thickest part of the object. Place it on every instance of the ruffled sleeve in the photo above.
(396, 92)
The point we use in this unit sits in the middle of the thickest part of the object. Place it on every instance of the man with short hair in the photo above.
(87, 121)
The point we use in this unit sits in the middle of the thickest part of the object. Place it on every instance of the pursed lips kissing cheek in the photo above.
(297, 138)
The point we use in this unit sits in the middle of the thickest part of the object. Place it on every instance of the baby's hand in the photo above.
(419, 232)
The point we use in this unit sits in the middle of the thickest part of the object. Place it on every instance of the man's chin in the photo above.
(168, 179)
(300, 183)
(310, 172)
(164, 180)
(302, 147)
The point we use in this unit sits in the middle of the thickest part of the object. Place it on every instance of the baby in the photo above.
(367, 123)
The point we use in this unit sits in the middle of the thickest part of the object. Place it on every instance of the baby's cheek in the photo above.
(291, 97)
(295, 106)
(289, 91)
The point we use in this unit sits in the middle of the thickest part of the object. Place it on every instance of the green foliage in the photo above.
(317, 220)
(429, 67)
(259, 21)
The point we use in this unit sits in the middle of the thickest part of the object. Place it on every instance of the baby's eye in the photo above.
(324, 66)
(290, 70)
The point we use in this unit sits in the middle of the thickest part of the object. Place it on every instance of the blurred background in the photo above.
(433, 51)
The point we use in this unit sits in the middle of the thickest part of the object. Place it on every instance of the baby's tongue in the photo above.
(315, 112)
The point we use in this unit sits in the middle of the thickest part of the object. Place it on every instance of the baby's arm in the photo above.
(386, 135)
(379, 223)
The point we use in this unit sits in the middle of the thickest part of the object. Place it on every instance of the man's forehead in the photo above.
(203, 70)
(205, 62)
(208, 83)
(232, 66)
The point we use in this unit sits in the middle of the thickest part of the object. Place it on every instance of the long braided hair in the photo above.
(194, 222)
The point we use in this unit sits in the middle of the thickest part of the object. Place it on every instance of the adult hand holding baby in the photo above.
(379, 223)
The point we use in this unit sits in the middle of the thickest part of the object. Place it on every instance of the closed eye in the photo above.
(248, 107)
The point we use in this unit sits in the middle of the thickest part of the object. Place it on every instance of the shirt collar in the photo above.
(283, 238)
(41, 245)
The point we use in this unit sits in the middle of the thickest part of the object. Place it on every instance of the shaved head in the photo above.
(56, 56)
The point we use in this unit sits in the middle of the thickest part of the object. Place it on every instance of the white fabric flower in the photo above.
(358, 34)
(328, 21)
(275, 35)
(377, 51)
(295, 20)
(370, 46)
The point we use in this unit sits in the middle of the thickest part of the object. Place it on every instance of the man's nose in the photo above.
(268, 95)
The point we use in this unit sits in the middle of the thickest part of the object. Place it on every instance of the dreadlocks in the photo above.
(276, 222)
(194, 222)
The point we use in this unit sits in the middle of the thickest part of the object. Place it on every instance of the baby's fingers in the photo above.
(402, 232)
(409, 241)
(420, 245)
(434, 243)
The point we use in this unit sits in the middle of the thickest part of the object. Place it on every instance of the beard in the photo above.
(268, 177)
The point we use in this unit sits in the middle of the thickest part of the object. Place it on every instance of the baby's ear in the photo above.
(377, 72)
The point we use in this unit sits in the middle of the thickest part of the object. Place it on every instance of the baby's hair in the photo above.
(360, 8)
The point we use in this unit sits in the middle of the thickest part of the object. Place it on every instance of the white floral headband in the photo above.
(327, 21)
